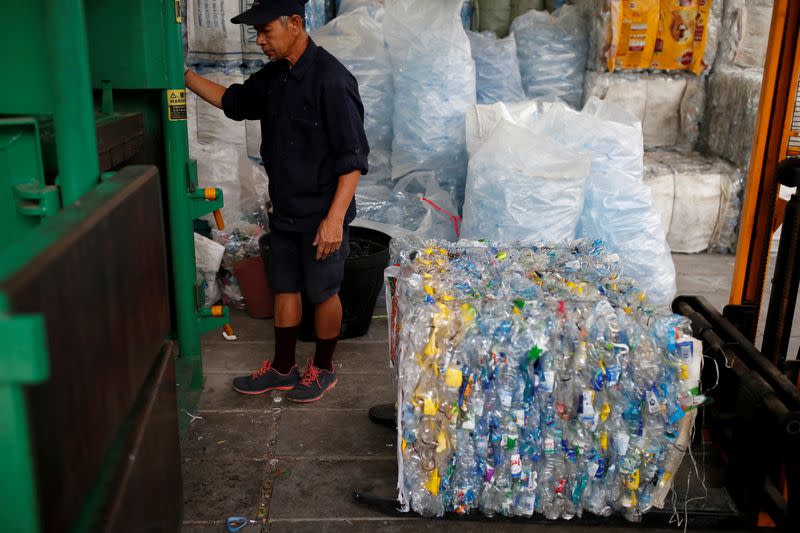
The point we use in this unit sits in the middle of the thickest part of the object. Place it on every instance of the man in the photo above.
(314, 150)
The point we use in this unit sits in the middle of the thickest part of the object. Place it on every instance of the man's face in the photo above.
(277, 37)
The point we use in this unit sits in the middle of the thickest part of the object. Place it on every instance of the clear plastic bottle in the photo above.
(466, 482)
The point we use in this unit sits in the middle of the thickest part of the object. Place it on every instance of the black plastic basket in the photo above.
(362, 284)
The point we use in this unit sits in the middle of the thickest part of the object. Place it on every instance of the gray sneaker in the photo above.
(313, 385)
(266, 379)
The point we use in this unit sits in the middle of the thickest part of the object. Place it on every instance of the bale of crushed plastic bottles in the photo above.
(535, 379)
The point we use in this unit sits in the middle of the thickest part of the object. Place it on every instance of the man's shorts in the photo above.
(293, 266)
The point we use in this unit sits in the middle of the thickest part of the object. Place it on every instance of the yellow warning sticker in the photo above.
(176, 104)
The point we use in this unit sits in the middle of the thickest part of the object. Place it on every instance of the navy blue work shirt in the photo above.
(312, 132)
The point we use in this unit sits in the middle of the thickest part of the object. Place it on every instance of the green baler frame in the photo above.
(57, 54)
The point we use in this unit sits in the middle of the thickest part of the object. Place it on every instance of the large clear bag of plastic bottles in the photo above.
(618, 206)
(434, 77)
(552, 51)
(535, 379)
(523, 186)
(496, 68)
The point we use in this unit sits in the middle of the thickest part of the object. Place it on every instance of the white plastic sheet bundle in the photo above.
(496, 68)
(698, 199)
(745, 33)
(733, 96)
(212, 37)
(552, 51)
(523, 186)
(670, 107)
(434, 77)
(617, 206)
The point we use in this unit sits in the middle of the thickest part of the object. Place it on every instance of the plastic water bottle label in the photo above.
(612, 374)
(516, 466)
(549, 445)
(601, 468)
(549, 380)
(685, 349)
(587, 404)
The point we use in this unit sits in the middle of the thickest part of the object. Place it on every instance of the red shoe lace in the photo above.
(265, 367)
(310, 375)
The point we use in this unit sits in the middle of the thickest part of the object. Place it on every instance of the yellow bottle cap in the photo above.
(441, 442)
(453, 378)
(605, 411)
(432, 485)
(430, 407)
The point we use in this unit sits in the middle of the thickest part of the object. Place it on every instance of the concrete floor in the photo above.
(291, 467)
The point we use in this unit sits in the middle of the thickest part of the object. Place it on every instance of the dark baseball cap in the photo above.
(264, 11)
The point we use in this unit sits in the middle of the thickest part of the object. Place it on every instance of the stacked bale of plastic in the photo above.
(698, 198)
(735, 85)
(535, 379)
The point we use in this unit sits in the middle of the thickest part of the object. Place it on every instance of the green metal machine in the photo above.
(100, 320)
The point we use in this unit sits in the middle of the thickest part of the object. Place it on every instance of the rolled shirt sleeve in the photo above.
(245, 101)
(343, 114)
